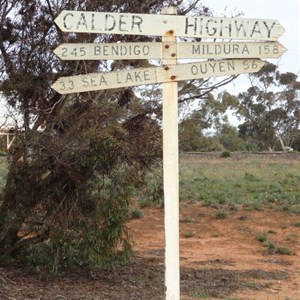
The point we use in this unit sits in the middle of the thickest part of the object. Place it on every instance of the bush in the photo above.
(137, 213)
(75, 194)
(225, 154)
(221, 214)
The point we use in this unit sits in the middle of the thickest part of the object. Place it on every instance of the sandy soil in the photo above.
(230, 244)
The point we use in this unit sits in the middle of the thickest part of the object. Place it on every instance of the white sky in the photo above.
(286, 12)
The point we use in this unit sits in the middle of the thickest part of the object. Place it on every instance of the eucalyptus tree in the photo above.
(69, 185)
(270, 108)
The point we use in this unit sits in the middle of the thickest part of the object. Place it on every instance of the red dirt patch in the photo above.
(228, 245)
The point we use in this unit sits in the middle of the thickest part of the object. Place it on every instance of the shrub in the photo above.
(137, 213)
(221, 214)
(225, 154)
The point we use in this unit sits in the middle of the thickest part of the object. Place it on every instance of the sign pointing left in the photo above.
(134, 77)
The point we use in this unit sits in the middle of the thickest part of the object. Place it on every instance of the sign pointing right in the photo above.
(152, 50)
(160, 25)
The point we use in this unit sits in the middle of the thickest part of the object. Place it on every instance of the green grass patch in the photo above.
(250, 183)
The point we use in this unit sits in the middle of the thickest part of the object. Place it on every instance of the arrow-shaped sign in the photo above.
(133, 77)
(201, 50)
(161, 25)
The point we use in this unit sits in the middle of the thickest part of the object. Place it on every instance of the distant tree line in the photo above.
(269, 114)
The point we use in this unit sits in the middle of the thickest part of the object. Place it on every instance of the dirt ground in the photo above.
(228, 251)
(220, 259)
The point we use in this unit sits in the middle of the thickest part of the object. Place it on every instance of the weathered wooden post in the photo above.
(171, 165)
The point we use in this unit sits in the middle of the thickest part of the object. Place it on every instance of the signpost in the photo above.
(229, 58)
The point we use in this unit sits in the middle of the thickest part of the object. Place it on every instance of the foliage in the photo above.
(225, 154)
(270, 109)
(221, 214)
(137, 213)
(228, 137)
(210, 114)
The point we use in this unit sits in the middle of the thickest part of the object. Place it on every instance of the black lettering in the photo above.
(137, 76)
(187, 25)
(195, 49)
(269, 28)
(194, 70)
(65, 21)
(118, 79)
(122, 22)
(203, 68)
(226, 48)
(221, 27)
(221, 66)
(214, 29)
(146, 75)
(82, 21)
(102, 80)
(114, 50)
(218, 49)
(235, 49)
(136, 50)
(85, 81)
(128, 77)
(146, 50)
(97, 50)
(245, 50)
(105, 50)
(213, 66)
(109, 24)
(136, 22)
(230, 65)
(240, 27)
(93, 81)
(256, 29)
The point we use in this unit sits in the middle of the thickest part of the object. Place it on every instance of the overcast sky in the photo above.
(286, 12)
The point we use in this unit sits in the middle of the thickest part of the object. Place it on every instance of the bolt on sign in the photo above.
(251, 39)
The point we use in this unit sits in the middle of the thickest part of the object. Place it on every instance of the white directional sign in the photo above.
(133, 77)
(160, 25)
(201, 50)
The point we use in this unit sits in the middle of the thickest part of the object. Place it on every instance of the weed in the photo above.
(189, 234)
(297, 224)
(262, 237)
(225, 154)
(137, 213)
(187, 219)
(284, 251)
(271, 246)
(221, 214)
(270, 231)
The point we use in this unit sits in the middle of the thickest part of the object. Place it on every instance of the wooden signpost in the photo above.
(229, 58)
